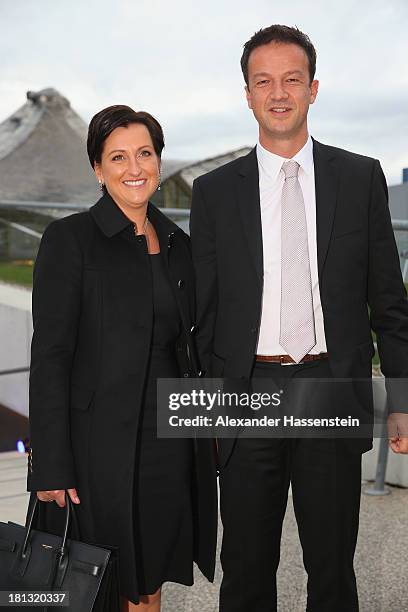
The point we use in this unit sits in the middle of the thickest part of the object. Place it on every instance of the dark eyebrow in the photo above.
(146, 146)
(260, 74)
(294, 72)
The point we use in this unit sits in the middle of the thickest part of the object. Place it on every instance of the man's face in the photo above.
(279, 91)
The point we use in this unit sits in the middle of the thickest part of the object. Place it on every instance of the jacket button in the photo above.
(180, 284)
(253, 330)
(170, 240)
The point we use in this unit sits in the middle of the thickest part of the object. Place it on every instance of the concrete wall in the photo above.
(15, 339)
(399, 201)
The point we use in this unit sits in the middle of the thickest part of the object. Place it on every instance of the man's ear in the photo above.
(248, 97)
(314, 88)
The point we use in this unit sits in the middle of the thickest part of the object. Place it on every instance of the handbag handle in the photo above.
(29, 525)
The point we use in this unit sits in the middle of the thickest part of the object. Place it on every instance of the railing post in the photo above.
(379, 488)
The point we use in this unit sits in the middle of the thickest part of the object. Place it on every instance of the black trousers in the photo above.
(326, 484)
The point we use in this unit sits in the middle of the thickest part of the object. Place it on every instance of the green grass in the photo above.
(17, 273)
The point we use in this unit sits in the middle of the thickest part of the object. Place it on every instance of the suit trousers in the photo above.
(325, 476)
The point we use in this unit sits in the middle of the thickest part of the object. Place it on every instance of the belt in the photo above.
(287, 359)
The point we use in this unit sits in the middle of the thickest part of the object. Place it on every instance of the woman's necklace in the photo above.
(144, 228)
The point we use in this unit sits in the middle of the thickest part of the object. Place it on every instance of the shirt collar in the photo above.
(271, 164)
(304, 157)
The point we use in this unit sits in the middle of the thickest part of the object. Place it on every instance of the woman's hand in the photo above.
(58, 495)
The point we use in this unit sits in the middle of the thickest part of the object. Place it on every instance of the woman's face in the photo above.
(129, 167)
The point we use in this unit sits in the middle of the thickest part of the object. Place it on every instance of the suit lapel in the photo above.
(250, 210)
(326, 179)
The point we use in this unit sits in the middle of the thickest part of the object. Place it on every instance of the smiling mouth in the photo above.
(280, 110)
(138, 183)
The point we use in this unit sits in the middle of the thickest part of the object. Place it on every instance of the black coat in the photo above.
(359, 272)
(93, 317)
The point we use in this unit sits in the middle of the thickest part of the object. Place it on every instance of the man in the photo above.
(296, 261)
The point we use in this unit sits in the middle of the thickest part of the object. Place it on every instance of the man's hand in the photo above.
(58, 495)
(398, 432)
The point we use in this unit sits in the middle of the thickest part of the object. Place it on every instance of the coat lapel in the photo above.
(250, 210)
(326, 179)
(176, 255)
(165, 229)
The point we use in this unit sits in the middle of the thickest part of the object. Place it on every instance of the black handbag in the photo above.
(33, 560)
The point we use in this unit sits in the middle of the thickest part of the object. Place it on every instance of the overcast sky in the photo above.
(179, 60)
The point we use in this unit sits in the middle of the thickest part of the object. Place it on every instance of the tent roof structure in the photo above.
(188, 171)
(43, 152)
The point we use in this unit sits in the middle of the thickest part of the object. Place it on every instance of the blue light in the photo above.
(20, 446)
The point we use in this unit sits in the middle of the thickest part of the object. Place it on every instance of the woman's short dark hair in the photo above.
(279, 34)
(112, 117)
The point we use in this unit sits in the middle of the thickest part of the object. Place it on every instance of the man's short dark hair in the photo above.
(112, 117)
(279, 34)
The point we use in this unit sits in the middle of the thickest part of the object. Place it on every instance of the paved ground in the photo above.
(381, 558)
(15, 296)
(381, 564)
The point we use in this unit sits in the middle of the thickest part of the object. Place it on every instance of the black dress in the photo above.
(163, 493)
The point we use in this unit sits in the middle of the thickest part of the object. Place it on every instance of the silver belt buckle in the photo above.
(291, 364)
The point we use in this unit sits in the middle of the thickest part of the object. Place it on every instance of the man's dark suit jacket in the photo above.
(358, 265)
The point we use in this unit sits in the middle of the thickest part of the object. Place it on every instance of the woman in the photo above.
(113, 305)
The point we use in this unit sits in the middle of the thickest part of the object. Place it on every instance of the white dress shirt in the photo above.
(271, 179)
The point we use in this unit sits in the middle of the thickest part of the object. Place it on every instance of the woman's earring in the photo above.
(158, 186)
(101, 185)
